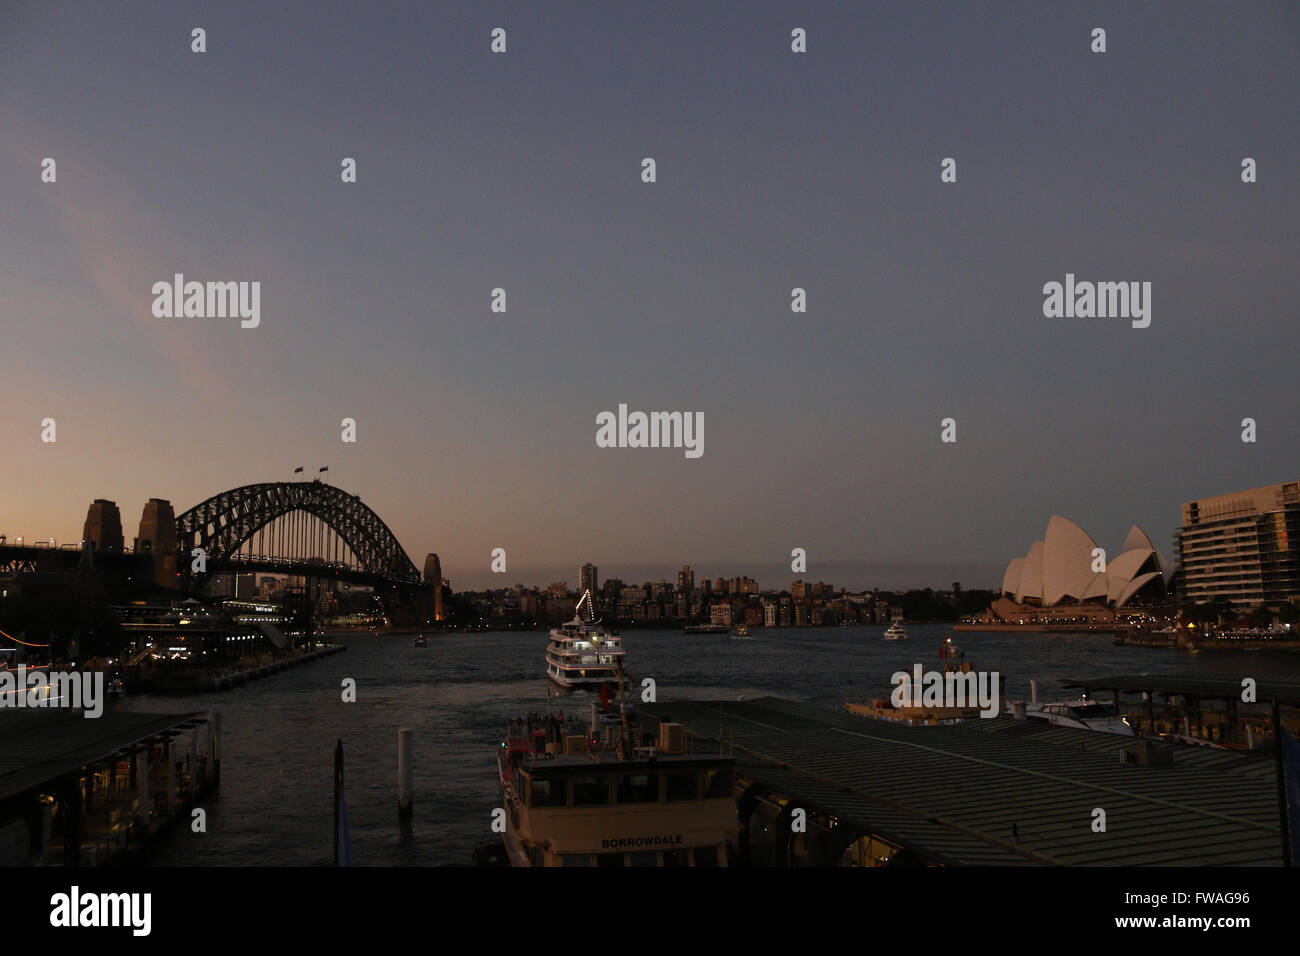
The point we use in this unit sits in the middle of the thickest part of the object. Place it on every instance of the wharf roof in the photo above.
(39, 746)
(952, 794)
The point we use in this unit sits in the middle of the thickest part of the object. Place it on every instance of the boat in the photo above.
(742, 630)
(582, 655)
(924, 715)
(598, 793)
(896, 632)
(116, 687)
(1081, 714)
(420, 640)
(706, 629)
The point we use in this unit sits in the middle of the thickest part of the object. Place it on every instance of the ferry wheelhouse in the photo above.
(582, 654)
(595, 794)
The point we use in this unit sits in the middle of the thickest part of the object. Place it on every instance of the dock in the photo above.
(1199, 709)
(190, 680)
(986, 792)
(86, 792)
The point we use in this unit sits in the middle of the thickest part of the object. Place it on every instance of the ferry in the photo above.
(896, 632)
(598, 794)
(582, 654)
(742, 630)
(420, 640)
(925, 715)
(706, 629)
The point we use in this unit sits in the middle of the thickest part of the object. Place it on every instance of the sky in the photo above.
(774, 170)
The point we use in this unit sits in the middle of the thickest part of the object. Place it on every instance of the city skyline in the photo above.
(477, 430)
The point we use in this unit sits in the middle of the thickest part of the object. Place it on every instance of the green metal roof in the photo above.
(39, 746)
(952, 794)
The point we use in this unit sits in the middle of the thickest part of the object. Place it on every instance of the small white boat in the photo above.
(896, 632)
(1082, 714)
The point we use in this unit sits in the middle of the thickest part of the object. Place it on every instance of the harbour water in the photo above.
(275, 806)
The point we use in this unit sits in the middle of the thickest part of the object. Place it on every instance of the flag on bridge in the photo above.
(324, 468)
(298, 469)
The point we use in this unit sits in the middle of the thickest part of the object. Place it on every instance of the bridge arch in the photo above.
(222, 524)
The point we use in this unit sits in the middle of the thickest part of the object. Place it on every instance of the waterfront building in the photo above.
(720, 614)
(1242, 547)
(770, 614)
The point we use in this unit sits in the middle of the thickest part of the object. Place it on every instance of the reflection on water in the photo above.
(276, 802)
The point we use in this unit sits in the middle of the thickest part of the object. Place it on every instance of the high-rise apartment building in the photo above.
(1242, 547)
(685, 580)
(587, 580)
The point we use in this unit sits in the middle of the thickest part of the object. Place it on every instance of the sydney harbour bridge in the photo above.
(307, 529)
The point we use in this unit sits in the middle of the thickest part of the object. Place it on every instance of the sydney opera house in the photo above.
(1066, 577)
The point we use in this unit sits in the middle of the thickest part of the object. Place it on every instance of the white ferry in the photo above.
(600, 795)
(582, 654)
(896, 632)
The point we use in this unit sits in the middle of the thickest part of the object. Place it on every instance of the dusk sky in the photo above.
(775, 170)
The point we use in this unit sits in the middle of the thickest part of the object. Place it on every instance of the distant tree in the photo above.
(1225, 610)
(1261, 617)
